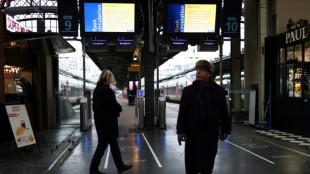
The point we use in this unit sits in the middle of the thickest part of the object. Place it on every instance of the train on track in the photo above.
(71, 87)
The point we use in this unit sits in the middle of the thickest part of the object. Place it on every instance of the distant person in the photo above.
(106, 112)
(202, 108)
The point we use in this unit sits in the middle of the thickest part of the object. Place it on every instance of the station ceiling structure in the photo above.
(116, 60)
(45, 16)
(119, 60)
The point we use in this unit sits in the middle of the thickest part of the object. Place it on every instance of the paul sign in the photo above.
(296, 35)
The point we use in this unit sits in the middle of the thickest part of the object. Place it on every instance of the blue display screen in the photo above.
(93, 14)
(191, 18)
(109, 17)
(176, 18)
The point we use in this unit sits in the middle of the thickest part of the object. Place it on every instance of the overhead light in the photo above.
(13, 44)
(135, 58)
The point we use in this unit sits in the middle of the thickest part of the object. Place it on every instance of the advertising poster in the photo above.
(133, 87)
(109, 17)
(20, 125)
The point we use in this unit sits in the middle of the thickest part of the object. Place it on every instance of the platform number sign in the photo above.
(68, 17)
(68, 22)
(231, 18)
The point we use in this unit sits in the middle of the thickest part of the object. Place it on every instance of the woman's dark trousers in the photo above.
(102, 145)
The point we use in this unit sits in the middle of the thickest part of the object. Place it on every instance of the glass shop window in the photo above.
(290, 71)
(306, 76)
(281, 69)
(294, 71)
(298, 71)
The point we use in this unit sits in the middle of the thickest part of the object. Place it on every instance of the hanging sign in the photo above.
(20, 125)
(68, 17)
(98, 41)
(231, 18)
(124, 41)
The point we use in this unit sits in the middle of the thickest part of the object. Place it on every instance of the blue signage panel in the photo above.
(176, 18)
(125, 41)
(209, 41)
(231, 18)
(93, 19)
(178, 41)
(98, 41)
(140, 94)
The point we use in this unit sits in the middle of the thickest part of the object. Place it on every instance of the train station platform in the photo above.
(156, 151)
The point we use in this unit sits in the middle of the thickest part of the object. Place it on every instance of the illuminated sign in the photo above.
(191, 18)
(136, 53)
(296, 35)
(134, 67)
(231, 18)
(209, 41)
(140, 94)
(178, 41)
(124, 41)
(109, 17)
(208, 44)
(98, 41)
(68, 17)
(14, 26)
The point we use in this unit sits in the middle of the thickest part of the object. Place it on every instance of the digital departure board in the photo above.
(109, 17)
(101, 18)
(191, 18)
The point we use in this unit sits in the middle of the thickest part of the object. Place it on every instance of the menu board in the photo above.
(20, 125)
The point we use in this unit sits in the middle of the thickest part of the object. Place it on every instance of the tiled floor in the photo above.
(284, 136)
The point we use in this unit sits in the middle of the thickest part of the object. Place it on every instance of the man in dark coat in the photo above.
(106, 112)
(202, 109)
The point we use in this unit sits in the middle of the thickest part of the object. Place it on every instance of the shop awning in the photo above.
(60, 45)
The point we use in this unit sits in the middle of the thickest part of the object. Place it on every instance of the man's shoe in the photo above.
(124, 168)
(96, 172)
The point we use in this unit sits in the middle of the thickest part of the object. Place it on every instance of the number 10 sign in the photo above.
(231, 18)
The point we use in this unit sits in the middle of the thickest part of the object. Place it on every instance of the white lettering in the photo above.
(296, 35)
(288, 35)
(304, 34)
(292, 39)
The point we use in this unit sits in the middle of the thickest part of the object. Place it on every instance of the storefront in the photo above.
(29, 73)
(288, 80)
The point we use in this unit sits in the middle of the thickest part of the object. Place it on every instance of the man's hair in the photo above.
(106, 77)
(206, 65)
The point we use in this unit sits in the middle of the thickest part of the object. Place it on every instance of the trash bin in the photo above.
(162, 112)
(140, 113)
(85, 121)
(228, 103)
(89, 109)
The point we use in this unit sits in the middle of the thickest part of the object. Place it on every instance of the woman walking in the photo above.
(106, 112)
